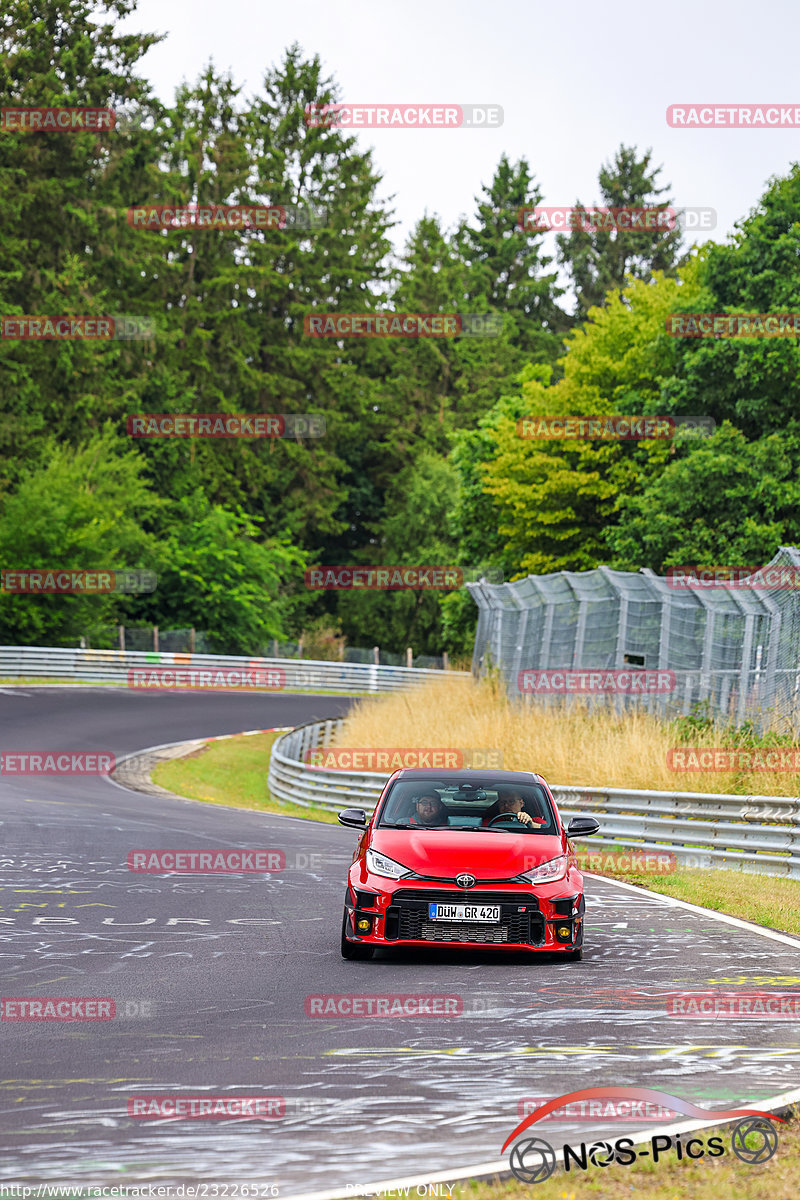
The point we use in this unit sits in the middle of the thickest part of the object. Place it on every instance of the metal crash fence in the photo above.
(736, 648)
(751, 833)
(113, 666)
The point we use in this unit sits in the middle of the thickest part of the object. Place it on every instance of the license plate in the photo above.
(464, 912)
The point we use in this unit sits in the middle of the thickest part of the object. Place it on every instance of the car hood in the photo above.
(445, 853)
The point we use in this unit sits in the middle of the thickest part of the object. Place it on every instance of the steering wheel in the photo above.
(503, 817)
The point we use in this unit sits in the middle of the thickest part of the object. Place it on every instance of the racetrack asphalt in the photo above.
(225, 963)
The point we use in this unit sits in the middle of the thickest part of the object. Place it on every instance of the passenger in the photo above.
(430, 810)
(511, 803)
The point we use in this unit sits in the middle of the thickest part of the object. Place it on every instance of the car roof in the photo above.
(467, 775)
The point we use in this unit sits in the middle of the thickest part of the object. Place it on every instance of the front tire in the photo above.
(352, 950)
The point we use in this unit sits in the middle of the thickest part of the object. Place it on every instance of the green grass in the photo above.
(668, 1179)
(765, 899)
(232, 772)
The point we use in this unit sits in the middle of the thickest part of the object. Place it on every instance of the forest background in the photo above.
(421, 463)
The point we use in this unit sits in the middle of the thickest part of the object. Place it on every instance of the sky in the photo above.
(574, 81)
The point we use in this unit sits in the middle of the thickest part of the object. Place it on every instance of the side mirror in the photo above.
(582, 827)
(356, 817)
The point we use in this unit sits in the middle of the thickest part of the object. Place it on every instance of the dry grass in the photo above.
(567, 745)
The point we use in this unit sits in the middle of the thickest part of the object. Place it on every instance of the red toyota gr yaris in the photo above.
(465, 857)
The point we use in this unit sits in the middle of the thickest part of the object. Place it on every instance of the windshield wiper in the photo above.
(499, 829)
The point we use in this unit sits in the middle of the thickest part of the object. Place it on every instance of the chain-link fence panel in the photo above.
(663, 642)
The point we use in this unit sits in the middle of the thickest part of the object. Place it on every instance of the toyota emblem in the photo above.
(465, 881)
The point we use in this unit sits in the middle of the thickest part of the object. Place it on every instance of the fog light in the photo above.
(564, 933)
(364, 924)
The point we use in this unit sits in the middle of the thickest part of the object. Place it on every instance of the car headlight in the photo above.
(379, 864)
(548, 872)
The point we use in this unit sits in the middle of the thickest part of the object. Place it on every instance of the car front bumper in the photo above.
(547, 918)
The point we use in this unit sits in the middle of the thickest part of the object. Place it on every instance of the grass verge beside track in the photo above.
(668, 1179)
(764, 899)
(232, 772)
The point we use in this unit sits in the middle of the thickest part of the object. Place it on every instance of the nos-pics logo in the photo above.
(754, 1139)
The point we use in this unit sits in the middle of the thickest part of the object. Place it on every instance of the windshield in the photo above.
(499, 808)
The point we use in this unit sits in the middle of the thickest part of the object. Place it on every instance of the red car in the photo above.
(465, 857)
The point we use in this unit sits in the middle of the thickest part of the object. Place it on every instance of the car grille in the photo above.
(439, 931)
(407, 919)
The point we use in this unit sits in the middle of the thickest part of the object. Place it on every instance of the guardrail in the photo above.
(753, 833)
(112, 666)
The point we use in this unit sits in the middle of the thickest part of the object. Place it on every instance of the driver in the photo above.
(508, 803)
(430, 810)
